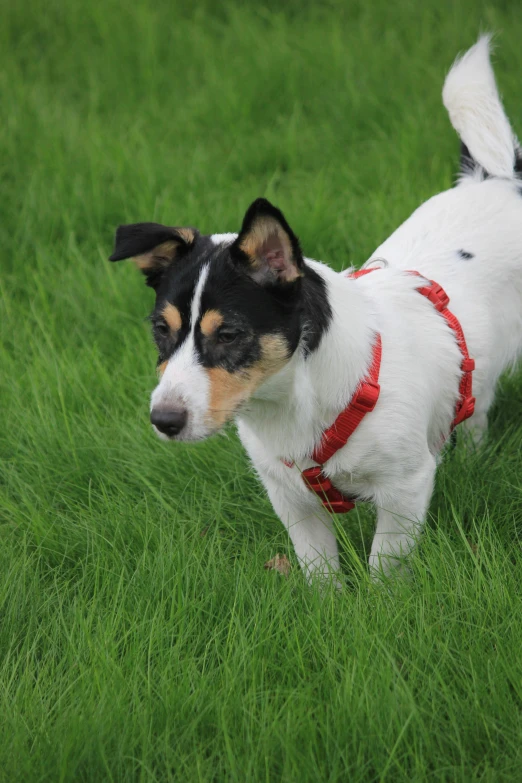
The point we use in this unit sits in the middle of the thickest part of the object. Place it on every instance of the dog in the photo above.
(248, 328)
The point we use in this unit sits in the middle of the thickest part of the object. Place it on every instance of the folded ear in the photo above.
(267, 246)
(151, 246)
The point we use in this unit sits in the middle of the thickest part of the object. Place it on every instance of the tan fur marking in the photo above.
(210, 322)
(162, 255)
(188, 234)
(162, 368)
(172, 316)
(259, 234)
(228, 390)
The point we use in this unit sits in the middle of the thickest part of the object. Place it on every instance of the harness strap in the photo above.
(335, 437)
(365, 399)
(465, 406)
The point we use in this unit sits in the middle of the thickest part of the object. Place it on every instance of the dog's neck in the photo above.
(300, 401)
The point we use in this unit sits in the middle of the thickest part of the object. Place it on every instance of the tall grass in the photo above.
(140, 637)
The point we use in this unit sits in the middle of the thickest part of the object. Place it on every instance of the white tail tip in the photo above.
(471, 97)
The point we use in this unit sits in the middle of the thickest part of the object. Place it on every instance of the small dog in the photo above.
(246, 327)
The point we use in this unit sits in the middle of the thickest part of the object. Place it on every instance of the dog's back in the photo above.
(469, 238)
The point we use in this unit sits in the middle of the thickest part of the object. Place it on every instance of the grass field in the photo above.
(140, 637)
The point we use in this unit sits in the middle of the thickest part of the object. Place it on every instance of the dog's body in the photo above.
(467, 239)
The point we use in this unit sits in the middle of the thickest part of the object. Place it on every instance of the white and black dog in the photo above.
(247, 327)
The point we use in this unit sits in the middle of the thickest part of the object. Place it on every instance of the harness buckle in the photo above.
(467, 365)
(339, 506)
(366, 397)
(436, 295)
(332, 499)
(316, 480)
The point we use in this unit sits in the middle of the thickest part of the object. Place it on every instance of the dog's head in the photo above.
(230, 312)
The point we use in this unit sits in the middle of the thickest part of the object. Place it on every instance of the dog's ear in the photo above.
(267, 246)
(151, 246)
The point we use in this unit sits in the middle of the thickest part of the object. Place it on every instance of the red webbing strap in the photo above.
(332, 499)
(465, 406)
(362, 402)
(336, 436)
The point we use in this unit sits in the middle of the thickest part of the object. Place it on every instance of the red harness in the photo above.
(365, 399)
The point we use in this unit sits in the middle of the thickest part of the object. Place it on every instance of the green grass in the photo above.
(140, 637)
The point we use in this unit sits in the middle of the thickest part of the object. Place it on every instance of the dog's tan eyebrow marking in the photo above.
(210, 322)
(172, 316)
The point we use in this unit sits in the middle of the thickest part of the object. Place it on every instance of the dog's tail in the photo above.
(489, 148)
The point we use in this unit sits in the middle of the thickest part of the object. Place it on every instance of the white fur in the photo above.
(223, 239)
(471, 97)
(391, 458)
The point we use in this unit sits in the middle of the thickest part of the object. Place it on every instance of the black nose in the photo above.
(169, 421)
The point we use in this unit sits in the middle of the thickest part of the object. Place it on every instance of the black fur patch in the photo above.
(296, 311)
(299, 311)
(465, 254)
(468, 164)
(316, 312)
(137, 238)
(518, 162)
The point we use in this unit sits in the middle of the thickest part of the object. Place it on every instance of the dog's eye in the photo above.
(162, 328)
(227, 336)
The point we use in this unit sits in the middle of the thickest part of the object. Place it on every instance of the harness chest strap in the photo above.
(365, 399)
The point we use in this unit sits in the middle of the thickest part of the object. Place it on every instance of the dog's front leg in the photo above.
(400, 517)
(310, 529)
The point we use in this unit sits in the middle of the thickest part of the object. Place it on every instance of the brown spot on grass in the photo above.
(279, 563)
(172, 316)
(228, 390)
(210, 322)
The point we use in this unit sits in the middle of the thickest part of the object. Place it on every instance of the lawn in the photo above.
(141, 638)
